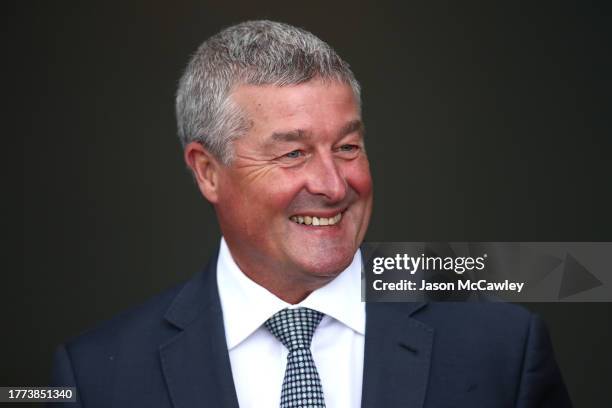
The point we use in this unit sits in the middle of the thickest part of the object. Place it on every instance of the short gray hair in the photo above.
(255, 53)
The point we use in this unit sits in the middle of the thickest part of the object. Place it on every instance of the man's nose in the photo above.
(324, 177)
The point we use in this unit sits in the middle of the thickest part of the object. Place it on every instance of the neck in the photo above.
(291, 286)
(292, 292)
(286, 281)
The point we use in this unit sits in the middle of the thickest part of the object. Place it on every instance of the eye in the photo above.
(294, 154)
(348, 148)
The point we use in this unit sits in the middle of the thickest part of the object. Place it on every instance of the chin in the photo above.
(330, 264)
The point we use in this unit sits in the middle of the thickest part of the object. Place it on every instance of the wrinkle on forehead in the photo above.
(303, 135)
(297, 113)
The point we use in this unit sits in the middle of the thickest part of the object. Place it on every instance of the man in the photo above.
(269, 117)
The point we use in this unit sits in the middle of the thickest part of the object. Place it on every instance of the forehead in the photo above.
(315, 106)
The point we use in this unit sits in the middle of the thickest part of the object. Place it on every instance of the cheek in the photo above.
(359, 178)
(273, 195)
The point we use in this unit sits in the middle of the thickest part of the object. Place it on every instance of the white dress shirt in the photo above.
(258, 359)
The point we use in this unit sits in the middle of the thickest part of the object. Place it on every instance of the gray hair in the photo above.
(254, 53)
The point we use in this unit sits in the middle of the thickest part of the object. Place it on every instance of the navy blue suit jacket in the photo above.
(171, 352)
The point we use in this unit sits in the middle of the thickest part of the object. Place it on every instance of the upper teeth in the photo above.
(316, 221)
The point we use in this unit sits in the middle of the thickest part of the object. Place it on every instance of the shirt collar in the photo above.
(246, 305)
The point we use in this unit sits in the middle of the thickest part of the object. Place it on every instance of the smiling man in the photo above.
(295, 200)
(270, 120)
(293, 196)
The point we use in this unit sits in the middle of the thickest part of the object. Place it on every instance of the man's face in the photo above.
(297, 197)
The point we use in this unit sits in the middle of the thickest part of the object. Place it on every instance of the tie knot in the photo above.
(294, 327)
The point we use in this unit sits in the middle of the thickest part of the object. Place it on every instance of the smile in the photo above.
(316, 221)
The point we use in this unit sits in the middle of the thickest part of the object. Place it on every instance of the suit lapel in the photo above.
(397, 356)
(195, 362)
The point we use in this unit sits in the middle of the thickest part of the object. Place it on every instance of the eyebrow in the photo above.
(290, 136)
(300, 134)
(353, 126)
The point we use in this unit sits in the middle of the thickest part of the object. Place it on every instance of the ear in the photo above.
(205, 168)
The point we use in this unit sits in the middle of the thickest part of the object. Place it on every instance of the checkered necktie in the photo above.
(302, 385)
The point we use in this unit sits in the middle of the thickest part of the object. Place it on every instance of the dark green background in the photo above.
(486, 121)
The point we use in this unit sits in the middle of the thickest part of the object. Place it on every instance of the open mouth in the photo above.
(316, 221)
